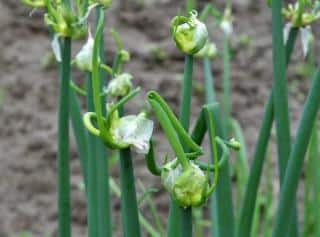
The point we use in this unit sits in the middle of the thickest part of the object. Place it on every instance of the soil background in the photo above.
(28, 110)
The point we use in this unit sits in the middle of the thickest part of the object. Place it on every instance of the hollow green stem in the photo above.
(144, 222)
(169, 131)
(63, 166)
(79, 135)
(151, 163)
(226, 83)
(191, 5)
(186, 93)
(249, 200)
(92, 170)
(96, 74)
(241, 166)
(208, 81)
(222, 218)
(181, 131)
(77, 89)
(129, 208)
(103, 197)
(185, 225)
(213, 146)
(280, 98)
(295, 163)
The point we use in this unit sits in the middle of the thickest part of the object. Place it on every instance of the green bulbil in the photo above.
(83, 59)
(209, 50)
(64, 22)
(120, 86)
(299, 16)
(189, 187)
(189, 34)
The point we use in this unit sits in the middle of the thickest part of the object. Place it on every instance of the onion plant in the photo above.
(189, 182)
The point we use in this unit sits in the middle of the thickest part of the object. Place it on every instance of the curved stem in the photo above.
(175, 123)
(151, 163)
(213, 145)
(95, 75)
(169, 132)
(77, 89)
(87, 122)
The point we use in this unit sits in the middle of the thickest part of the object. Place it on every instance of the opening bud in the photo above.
(188, 187)
(209, 50)
(189, 34)
(120, 86)
(83, 59)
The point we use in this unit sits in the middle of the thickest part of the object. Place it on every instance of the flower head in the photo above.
(133, 130)
(189, 187)
(209, 50)
(226, 23)
(120, 85)
(84, 57)
(189, 34)
(65, 22)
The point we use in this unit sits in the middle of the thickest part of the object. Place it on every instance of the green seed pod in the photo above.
(120, 86)
(189, 187)
(189, 34)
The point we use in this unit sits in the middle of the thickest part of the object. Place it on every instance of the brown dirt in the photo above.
(28, 113)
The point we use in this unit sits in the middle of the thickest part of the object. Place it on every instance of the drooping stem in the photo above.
(63, 166)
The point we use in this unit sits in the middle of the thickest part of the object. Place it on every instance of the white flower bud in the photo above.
(83, 59)
(120, 86)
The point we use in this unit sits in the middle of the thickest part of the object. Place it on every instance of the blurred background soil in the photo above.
(28, 109)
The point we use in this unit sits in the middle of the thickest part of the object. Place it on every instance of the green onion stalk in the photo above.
(63, 161)
(189, 44)
(222, 219)
(249, 200)
(311, 198)
(186, 213)
(99, 216)
(104, 210)
(280, 100)
(295, 164)
(129, 205)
